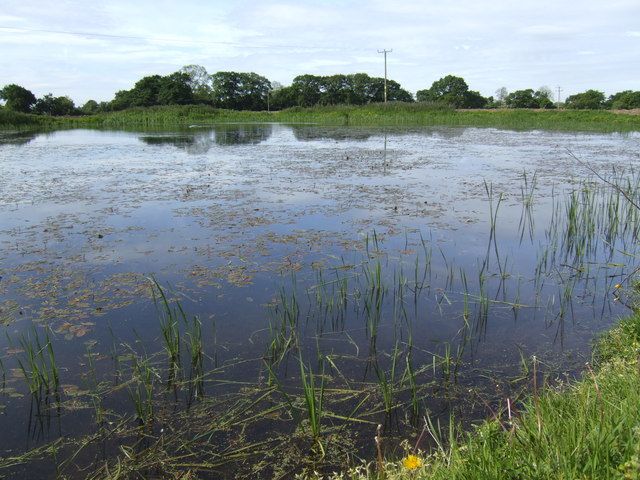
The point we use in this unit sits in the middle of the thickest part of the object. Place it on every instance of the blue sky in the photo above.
(111, 44)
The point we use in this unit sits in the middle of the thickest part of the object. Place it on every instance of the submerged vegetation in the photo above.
(586, 429)
(315, 406)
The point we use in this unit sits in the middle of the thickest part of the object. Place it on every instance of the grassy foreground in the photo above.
(407, 114)
(586, 430)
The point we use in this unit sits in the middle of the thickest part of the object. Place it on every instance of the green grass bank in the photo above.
(393, 114)
(589, 429)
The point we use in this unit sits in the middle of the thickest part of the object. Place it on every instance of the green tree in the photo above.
(362, 89)
(121, 100)
(352, 89)
(283, 97)
(521, 99)
(528, 98)
(625, 100)
(145, 91)
(17, 98)
(589, 100)
(473, 99)
(143, 94)
(501, 94)
(449, 89)
(174, 89)
(395, 93)
(199, 82)
(240, 91)
(91, 107)
(543, 97)
(335, 90)
(307, 90)
(454, 91)
(54, 106)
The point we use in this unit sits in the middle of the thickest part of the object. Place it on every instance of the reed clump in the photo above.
(375, 114)
(587, 429)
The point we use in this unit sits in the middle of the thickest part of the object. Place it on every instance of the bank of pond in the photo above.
(407, 114)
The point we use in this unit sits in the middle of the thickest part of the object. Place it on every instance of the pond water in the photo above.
(407, 272)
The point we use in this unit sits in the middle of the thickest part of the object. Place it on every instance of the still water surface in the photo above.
(445, 249)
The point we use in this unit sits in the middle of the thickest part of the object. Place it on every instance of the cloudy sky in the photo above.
(88, 49)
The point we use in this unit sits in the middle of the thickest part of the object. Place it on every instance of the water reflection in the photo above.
(248, 134)
(201, 142)
(315, 132)
(17, 138)
(181, 141)
(318, 132)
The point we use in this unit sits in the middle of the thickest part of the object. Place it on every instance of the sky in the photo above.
(89, 49)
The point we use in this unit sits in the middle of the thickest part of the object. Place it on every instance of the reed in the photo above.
(313, 400)
(387, 381)
(38, 363)
(141, 390)
(169, 317)
(195, 349)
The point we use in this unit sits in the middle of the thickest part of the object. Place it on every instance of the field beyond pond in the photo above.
(253, 300)
(397, 113)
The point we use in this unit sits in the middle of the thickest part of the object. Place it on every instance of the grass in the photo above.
(392, 114)
(589, 429)
(16, 120)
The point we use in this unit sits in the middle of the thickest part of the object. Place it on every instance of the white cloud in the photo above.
(549, 29)
(490, 44)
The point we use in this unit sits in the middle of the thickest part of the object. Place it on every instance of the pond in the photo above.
(254, 299)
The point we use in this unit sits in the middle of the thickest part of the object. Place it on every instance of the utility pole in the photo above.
(385, 71)
(559, 90)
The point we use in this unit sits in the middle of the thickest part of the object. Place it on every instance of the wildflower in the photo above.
(411, 462)
(617, 286)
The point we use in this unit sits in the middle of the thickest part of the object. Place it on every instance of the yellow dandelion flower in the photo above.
(411, 462)
(617, 285)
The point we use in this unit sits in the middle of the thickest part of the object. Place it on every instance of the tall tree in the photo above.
(528, 98)
(55, 106)
(353, 89)
(454, 91)
(17, 98)
(283, 97)
(625, 100)
(145, 91)
(240, 91)
(521, 99)
(199, 82)
(307, 89)
(589, 100)
(335, 90)
(395, 93)
(449, 89)
(544, 97)
(501, 94)
(90, 107)
(174, 89)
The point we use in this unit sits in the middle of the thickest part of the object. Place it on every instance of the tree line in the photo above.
(192, 84)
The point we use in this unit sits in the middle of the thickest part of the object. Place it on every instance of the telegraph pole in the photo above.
(385, 71)
(559, 90)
